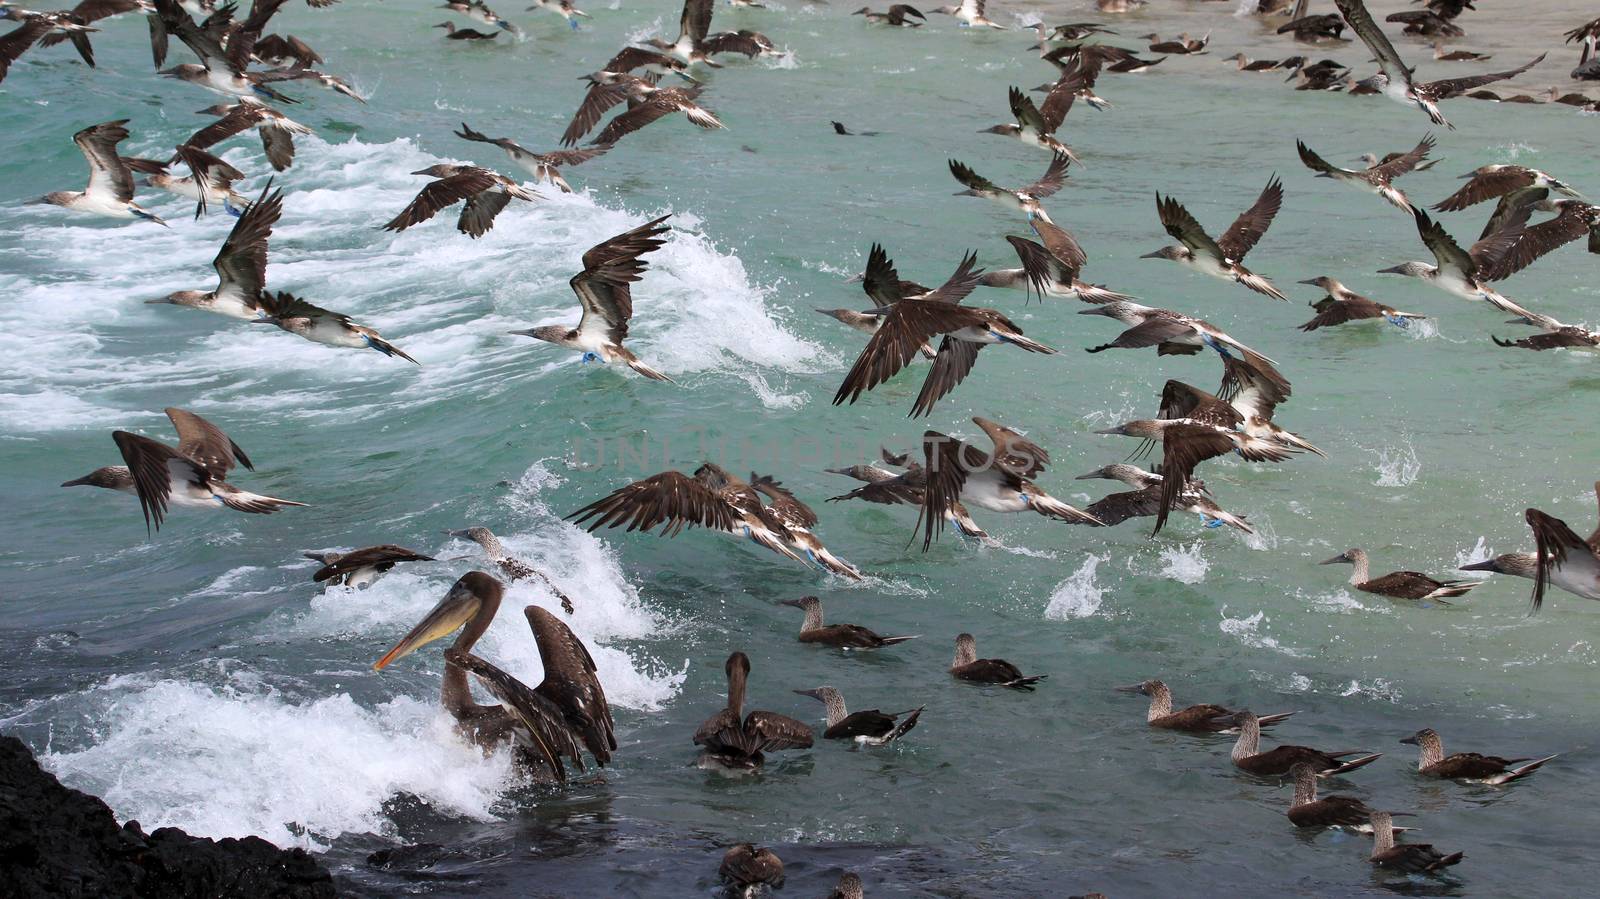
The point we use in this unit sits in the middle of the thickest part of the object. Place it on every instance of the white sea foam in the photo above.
(1184, 564)
(1397, 466)
(1251, 631)
(1079, 596)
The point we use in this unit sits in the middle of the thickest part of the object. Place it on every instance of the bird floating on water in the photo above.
(1468, 766)
(746, 870)
(737, 743)
(1417, 858)
(1398, 584)
(1248, 757)
(968, 667)
(1307, 810)
(839, 636)
(1206, 718)
(451, 32)
(868, 727)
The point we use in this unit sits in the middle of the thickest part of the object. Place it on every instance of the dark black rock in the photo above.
(56, 841)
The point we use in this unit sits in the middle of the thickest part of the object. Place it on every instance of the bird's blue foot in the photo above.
(589, 357)
(1398, 321)
(573, 24)
(230, 209)
(1210, 522)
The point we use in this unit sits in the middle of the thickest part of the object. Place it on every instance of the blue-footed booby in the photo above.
(1378, 179)
(110, 190)
(1343, 305)
(1221, 258)
(1025, 199)
(241, 264)
(839, 636)
(1205, 718)
(1398, 584)
(968, 667)
(1144, 500)
(276, 130)
(323, 326)
(1412, 858)
(1468, 766)
(485, 192)
(358, 568)
(1247, 755)
(868, 727)
(511, 567)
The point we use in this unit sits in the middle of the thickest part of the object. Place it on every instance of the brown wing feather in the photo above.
(205, 443)
(148, 460)
(671, 499)
(1183, 448)
(571, 683)
(439, 194)
(1246, 230)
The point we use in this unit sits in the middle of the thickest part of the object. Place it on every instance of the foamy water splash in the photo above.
(1184, 564)
(1079, 596)
(1397, 466)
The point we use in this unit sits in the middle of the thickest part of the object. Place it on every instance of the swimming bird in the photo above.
(451, 32)
(899, 15)
(737, 743)
(908, 487)
(511, 568)
(358, 568)
(191, 476)
(1182, 45)
(1394, 78)
(868, 727)
(839, 636)
(566, 713)
(1418, 858)
(842, 131)
(1378, 179)
(1173, 333)
(485, 192)
(478, 11)
(1398, 584)
(210, 180)
(241, 264)
(1343, 305)
(1036, 126)
(1026, 198)
(968, 667)
(849, 887)
(1563, 558)
(970, 12)
(563, 8)
(605, 293)
(1458, 272)
(1206, 718)
(276, 130)
(1307, 810)
(659, 104)
(1222, 258)
(999, 479)
(747, 870)
(1248, 757)
(1443, 54)
(110, 189)
(1587, 34)
(1467, 766)
(542, 166)
(1144, 500)
(1050, 269)
(1574, 219)
(1327, 75)
(1246, 64)
(910, 323)
(323, 326)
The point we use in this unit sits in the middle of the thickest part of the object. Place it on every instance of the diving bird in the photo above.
(565, 714)
(970, 12)
(1398, 584)
(1173, 333)
(241, 264)
(1051, 268)
(563, 8)
(323, 326)
(1025, 198)
(1467, 766)
(542, 166)
(192, 475)
(998, 479)
(1307, 810)
(1036, 126)
(1248, 757)
(909, 324)
(1414, 858)
(1144, 500)
(604, 290)
(110, 190)
(1343, 305)
(908, 488)
(1457, 271)
(968, 667)
(485, 192)
(1222, 258)
(1206, 718)
(451, 32)
(358, 568)
(276, 130)
(1394, 77)
(839, 636)
(210, 180)
(1378, 179)
(735, 742)
(659, 104)
(479, 12)
(746, 870)
(868, 727)
(511, 568)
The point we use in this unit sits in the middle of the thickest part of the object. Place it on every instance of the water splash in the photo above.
(1079, 596)
(1249, 631)
(1397, 466)
(1480, 552)
(1184, 564)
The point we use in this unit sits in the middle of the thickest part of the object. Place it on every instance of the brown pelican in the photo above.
(1467, 766)
(565, 713)
(485, 192)
(542, 166)
(1221, 258)
(110, 190)
(241, 264)
(1398, 584)
(1248, 757)
(1378, 179)
(1418, 858)
(360, 567)
(604, 292)
(868, 727)
(511, 567)
(968, 667)
(746, 870)
(191, 475)
(1330, 811)
(1206, 718)
(841, 636)
(736, 742)
(323, 326)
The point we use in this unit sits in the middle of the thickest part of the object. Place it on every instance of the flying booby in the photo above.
(110, 190)
(1173, 333)
(210, 180)
(479, 12)
(1246, 402)
(695, 43)
(277, 130)
(1343, 305)
(606, 90)
(1417, 858)
(1222, 258)
(1248, 757)
(746, 870)
(839, 636)
(970, 12)
(1574, 219)
(604, 291)
(563, 8)
(241, 264)
(190, 476)
(1563, 559)
(485, 192)
(882, 283)
(1378, 179)
(1036, 126)
(868, 727)
(1206, 718)
(899, 15)
(968, 667)
(510, 567)
(542, 166)
(323, 326)
(907, 487)
(735, 742)
(225, 49)
(1398, 584)
(658, 104)
(1144, 500)
(358, 568)
(1051, 268)
(1517, 188)
(1467, 766)
(1458, 272)
(1024, 199)
(1556, 334)
(565, 714)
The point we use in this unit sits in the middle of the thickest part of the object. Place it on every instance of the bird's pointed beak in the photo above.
(1485, 565)
(1409, 741)
(1090, 477)
(77, 482)
(452, 612)
(1311, 281)
(1154, 255)
(1340, 558)
(811, 693)
(1392, 270)
(459, 533)
(1130, 688)
(855, 279)
(159, 302)
(791, 602)
(526, 332)
(968, 193)
(1119, 430)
